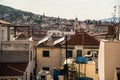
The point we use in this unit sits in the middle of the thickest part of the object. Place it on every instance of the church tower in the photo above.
(76, 25)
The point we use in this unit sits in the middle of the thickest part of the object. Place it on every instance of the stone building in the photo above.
(17, 59)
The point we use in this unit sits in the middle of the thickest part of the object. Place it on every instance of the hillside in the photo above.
(111, 19)
(36, 21)
(17, 16)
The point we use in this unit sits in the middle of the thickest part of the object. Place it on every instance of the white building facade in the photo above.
(108, 60)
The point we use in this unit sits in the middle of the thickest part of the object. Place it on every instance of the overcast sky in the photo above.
(83, 9)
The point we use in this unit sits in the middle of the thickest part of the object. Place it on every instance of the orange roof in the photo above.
(83, 39)
(12, 68)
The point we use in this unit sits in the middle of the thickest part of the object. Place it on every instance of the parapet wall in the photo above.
(15, 51)
(15, 45)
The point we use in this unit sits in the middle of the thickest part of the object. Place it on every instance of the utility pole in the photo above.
(66, 59)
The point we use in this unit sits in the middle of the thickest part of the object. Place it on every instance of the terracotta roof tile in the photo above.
(111, 30)
(83, 39)
(12, 69)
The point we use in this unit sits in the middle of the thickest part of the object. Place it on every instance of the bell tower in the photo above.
(76, 25)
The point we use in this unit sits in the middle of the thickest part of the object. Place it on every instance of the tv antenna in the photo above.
(114, 14)
(119, 13)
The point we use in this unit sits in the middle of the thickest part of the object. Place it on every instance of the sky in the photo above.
(69, 9)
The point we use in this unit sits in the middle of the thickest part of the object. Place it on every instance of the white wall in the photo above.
(5, 33)
(101, 61)
(30, 69)
(11, 33)
(109, 59)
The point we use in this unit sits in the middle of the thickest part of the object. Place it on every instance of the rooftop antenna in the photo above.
(119, 13)
(116, 34)
(114, 15)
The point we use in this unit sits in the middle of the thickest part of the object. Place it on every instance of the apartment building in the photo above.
(17, 59)
(108, 60)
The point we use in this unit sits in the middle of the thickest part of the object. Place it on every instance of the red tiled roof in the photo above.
(13, 69)
(83, 39)
(111, 30)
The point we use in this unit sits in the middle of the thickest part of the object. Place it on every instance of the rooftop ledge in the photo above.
(109, 41)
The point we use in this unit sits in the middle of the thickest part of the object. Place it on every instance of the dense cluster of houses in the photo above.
(22, 56)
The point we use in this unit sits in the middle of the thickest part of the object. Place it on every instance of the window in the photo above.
(2, 34)
(89, 58)
(79, 52)
(31, 56)
(45, 53)
(88, 53)
(46, 68)
(12, 31)
(96, 54)
(69, 54)
(42, 77)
